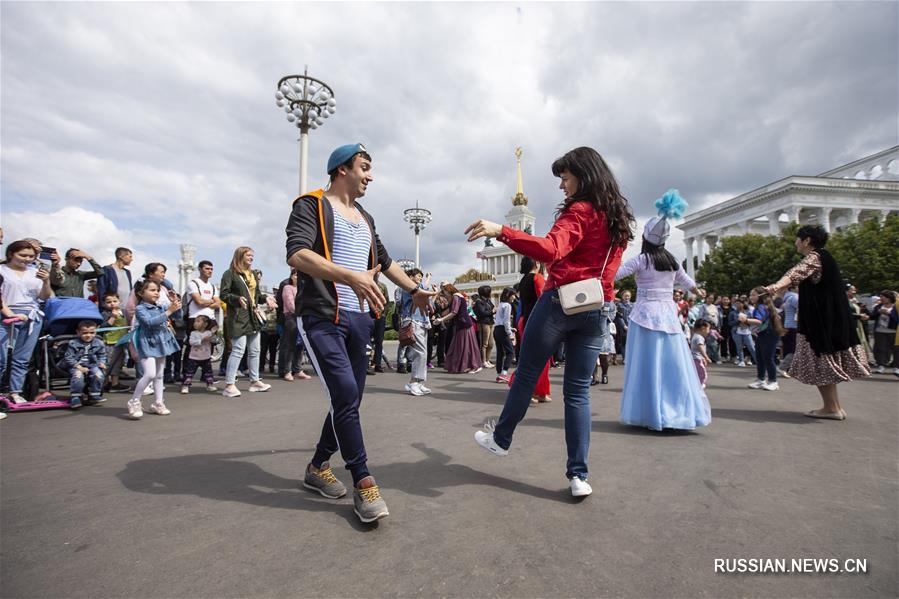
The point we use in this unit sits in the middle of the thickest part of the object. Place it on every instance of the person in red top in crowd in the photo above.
(593, 226)
(530, 288)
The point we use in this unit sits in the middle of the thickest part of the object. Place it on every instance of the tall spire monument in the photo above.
(499, 264)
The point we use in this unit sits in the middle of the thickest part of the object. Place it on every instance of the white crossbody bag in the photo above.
(583, 296)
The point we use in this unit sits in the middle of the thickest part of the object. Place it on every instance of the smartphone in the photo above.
(46, 253)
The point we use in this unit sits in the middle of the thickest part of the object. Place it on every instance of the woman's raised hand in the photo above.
(483, 228)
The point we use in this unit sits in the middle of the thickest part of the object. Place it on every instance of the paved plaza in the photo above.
(205, 502)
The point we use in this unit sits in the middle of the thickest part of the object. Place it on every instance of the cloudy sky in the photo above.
(154, 124)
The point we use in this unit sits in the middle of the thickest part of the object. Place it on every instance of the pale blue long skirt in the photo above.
(661, 387)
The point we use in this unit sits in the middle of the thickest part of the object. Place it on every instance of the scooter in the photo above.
(44, 400)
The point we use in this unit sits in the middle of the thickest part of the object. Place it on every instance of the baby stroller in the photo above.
(61, 317)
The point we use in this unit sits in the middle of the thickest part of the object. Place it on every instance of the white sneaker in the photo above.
(424, 389)
(879, 370)
(783, 373)
(135, 410)
(159, 408)
(771, 386)
(228, 393)
(757, 384)
(485, 440)
(259, 386)
(16, 398)
(741, 364)
(149, 389)
(2, 415)
(579, 488)
(185, 390)
(212, 388)
(414, 389)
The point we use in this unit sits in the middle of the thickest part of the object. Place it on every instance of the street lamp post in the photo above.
(418, 219)
(307, 102)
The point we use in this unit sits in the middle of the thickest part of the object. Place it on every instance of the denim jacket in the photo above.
(153, 339)
(85, 354)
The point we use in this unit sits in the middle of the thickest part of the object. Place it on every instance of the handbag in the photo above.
(585, 295)
(406, 334)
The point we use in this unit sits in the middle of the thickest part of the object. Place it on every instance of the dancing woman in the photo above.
(661, 387)
(593, 226)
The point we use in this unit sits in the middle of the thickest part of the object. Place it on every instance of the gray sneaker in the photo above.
(367, 501)
(323, 481)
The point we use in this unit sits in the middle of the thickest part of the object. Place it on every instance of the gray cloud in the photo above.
(165, 112)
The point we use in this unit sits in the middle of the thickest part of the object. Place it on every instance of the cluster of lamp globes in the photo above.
(317, 102)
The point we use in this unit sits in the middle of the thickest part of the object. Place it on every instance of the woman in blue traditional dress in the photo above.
(661, 387)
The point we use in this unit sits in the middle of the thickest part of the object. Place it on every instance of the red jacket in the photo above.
(573, 250)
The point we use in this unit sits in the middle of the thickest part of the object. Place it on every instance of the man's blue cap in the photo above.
(342, 154)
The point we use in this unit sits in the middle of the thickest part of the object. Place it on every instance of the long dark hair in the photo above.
(597, 185)
(662, 260)
(527, 265)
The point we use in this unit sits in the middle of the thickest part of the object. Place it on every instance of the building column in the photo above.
(701, 249)
(688, 242)
(774, 223)
(824, 217)
(794, 213)
(882, 217)
(854, 215)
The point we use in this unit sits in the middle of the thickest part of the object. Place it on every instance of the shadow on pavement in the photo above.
(228, 477)
(616, 428)
(427, 477)
(761, 416)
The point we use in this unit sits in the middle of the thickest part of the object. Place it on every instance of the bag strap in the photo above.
(604, 262)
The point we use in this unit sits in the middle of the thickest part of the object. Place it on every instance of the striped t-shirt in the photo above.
(352, 249)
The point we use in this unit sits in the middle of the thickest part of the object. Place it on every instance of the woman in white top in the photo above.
(24, 287)
(503, 335)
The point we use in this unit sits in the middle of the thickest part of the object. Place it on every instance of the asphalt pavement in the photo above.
(205, 502)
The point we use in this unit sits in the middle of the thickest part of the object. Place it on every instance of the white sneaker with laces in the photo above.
(579, 488)
(135, 410)
(259, 386)
(211, 388)
(771, 386)
(757, 384)
(16, 398)
(185, 390)
(741, 364)
(485, 440)
(149, 389)
(424, 389)
(414, 389)
(159, 408)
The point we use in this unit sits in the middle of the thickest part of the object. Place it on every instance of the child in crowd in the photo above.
(741, 332)
(200, 356)
(768, 327)
(113, 316)
(701, 329)
(85, 357)
(153, 341)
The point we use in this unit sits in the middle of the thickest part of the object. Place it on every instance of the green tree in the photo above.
(742, 262)
(868, 254)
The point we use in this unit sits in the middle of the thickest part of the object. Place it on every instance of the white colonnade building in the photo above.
(866, 188)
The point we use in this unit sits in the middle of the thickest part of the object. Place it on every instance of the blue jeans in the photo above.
(23, 348)
(238, 345)
(742, 341)
(546, 328)
(765, 350)
(93, 380)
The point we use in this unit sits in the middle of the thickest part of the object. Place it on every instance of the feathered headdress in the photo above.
(670, 205)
